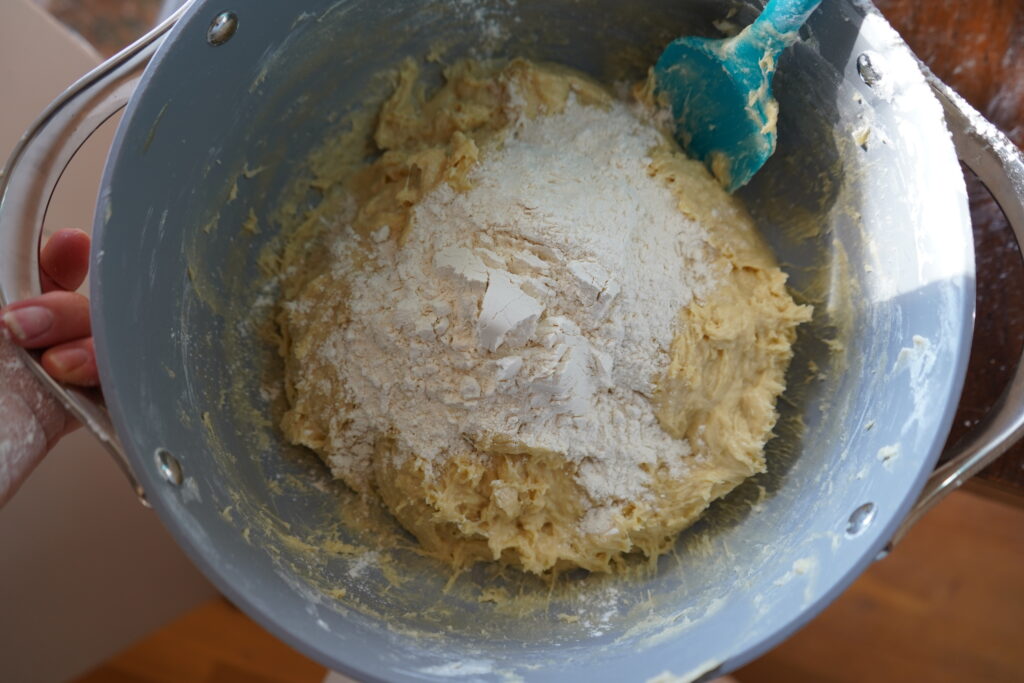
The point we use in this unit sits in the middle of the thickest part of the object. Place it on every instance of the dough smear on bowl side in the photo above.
(539, 334)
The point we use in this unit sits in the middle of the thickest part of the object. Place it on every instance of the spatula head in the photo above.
(722, 106)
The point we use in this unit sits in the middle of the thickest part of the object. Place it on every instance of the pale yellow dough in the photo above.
(509, 502)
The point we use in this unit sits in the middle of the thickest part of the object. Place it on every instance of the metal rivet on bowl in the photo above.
(860, 519)
(168, 466)
(222, 28)
(867, 67)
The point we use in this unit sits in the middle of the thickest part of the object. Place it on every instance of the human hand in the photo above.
(32, 420)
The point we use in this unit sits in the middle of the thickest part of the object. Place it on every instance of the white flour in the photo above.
(538, 307)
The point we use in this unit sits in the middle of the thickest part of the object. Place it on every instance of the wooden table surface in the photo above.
(977, 47)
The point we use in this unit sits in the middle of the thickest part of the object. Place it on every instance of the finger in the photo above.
(52, 318)
(64, 261)
(73, 363)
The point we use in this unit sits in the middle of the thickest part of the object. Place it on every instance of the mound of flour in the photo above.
(537, 308)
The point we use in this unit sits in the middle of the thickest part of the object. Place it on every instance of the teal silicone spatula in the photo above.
(720, 91)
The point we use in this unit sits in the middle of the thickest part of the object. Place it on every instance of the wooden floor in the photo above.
(947, 605)
(214, 643)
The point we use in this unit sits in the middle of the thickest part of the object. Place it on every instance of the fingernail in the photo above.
(67, 360)
(28, 323)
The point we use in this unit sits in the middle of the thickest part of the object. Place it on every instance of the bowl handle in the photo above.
(1000, 166)
(27, 183)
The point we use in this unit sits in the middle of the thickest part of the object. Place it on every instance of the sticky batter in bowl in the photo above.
(539, 334)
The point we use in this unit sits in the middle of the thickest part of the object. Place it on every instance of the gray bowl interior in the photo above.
(873, 231)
